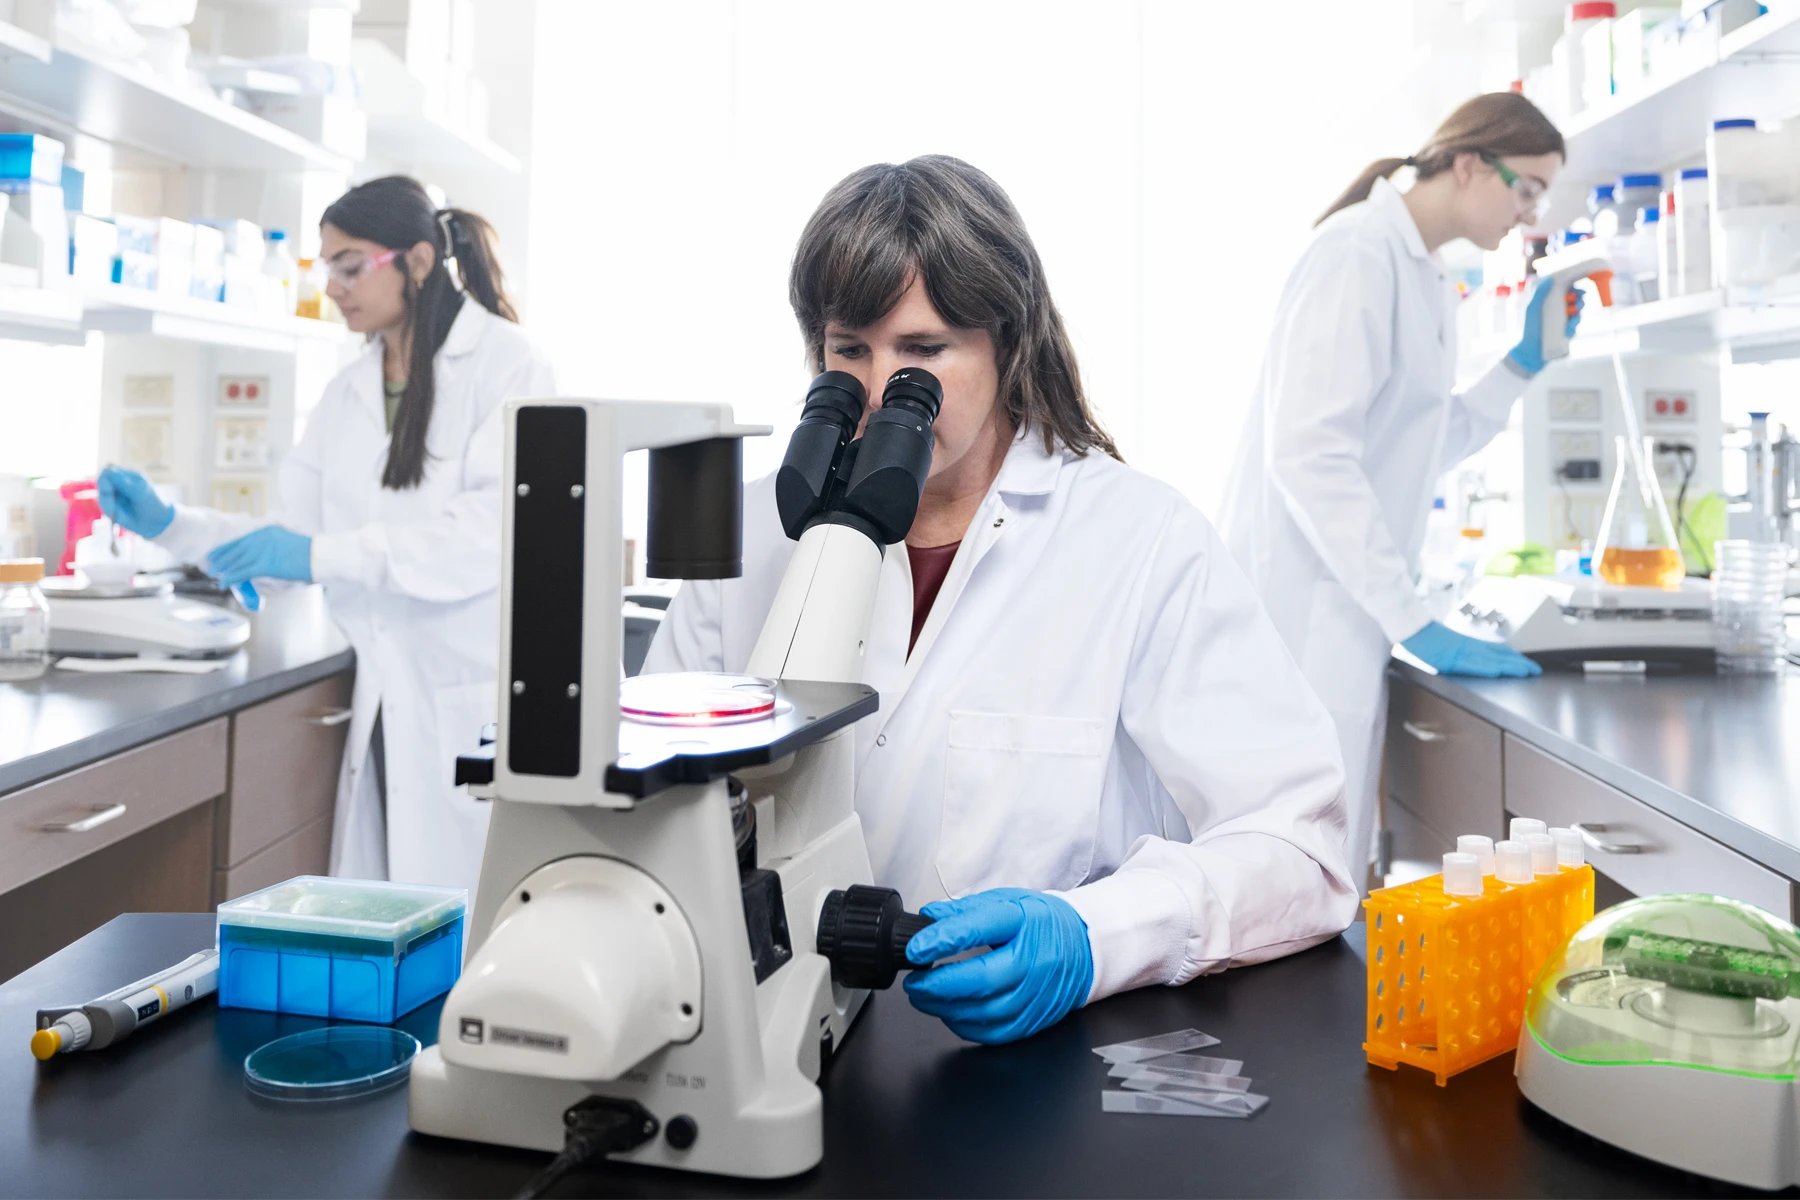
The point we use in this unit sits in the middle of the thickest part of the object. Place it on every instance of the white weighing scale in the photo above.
(139, 616)
(1567, 621)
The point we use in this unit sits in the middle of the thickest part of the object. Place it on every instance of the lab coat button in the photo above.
(881, 739)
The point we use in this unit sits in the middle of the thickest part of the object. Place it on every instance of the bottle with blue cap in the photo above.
(1693, 233)
(1755, 201)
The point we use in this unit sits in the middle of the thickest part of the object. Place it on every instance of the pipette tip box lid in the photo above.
(348, 949)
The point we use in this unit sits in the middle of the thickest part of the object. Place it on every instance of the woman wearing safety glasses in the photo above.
(392, 501)
(1355, 417)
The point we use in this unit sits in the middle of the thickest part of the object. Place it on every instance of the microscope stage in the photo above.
(654, 757)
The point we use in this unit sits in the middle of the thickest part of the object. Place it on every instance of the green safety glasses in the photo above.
(1532, 194)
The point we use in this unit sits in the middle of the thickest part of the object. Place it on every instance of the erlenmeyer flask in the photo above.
(1637, 543)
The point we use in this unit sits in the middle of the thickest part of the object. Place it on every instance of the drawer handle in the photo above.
(1588, 839)
(93, 820)
(1423, 733)
(336, 716)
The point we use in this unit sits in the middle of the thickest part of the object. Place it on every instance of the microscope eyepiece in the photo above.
(894, 455)
(835, 396)
(912, 387)
(834, 404)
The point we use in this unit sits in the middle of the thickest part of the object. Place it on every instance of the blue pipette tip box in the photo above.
(348, 949)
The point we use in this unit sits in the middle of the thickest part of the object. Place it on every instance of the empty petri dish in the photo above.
(333, 1063)
(696, 698)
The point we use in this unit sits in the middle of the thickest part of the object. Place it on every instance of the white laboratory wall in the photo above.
(1168, 158)
(50, 409)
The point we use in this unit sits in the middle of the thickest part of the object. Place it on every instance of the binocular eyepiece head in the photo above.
(874, 482)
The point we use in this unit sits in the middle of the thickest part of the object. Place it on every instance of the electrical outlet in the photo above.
(243, 391)
(1575, 406)
(1575, 453)
(1575, 519)
(1669, 459)
(1666, 406)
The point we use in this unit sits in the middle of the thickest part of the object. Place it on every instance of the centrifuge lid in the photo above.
(333, 1063)
(1681, 980)
(696, 698)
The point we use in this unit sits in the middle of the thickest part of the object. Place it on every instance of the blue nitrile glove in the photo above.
(1040, 965)
(128, 500)
(1453, 653)
(1529, 355)
(267, 553)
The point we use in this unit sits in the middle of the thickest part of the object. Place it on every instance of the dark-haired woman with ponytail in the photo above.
(391, 500)
(1355, 416)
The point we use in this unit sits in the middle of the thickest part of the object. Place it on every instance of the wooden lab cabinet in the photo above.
(174, 825)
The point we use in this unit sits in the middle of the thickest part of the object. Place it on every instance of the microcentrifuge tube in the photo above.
(1523, 825)
(1481, 847)
(1462, 875)
(1569, 852)
(1512, 862)
(1543, 853)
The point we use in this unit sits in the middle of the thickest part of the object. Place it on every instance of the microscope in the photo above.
(674, 925)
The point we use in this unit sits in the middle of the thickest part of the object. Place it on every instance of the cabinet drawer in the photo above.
(1443, 763)
(164, 868)
(1671, 857)
(306, 851)
(54, 823)
(285, 755)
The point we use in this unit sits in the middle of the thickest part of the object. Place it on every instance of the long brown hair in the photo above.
(940, 220)
(1499, 123)
(396, 213)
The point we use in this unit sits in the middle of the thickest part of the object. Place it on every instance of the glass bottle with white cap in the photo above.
(24, 619)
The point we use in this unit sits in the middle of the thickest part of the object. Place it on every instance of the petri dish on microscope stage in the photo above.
(333, 1063)
(696, 698)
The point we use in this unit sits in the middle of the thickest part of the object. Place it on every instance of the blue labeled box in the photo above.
(349, 949)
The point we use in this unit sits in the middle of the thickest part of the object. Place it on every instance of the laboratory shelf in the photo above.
(114, 308)
(416, 140)
(16, 42)
(1754, 73)
(38, 315)
(1749, 324)
(132, 107)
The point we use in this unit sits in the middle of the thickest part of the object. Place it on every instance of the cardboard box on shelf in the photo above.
(334, 122)
(94, 243)
(208, 281)
(416, 30)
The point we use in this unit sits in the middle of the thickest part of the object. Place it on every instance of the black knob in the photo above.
(681, 1132)
(863, 933)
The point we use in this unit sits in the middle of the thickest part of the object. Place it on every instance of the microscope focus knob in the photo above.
(863, 933)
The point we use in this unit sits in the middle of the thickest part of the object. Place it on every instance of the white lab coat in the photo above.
(1097, 706)
(1355, 416)
(412, 578)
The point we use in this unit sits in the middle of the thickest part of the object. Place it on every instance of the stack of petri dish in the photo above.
(1748, 581)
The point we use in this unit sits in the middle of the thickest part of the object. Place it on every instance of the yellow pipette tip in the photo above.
(45, 1043)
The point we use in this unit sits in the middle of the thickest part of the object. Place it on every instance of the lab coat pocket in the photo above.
(1021, 801)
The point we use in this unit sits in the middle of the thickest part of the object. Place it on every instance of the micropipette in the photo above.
(116, 1015)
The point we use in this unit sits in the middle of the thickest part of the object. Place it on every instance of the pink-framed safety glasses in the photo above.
(348, 270)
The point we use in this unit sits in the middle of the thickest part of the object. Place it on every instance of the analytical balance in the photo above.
(137, 615)
(1670, 1026)
(1566, 621)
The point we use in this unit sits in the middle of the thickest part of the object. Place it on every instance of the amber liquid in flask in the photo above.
(1637, 541)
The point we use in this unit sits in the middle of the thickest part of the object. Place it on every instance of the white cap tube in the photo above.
(1543, 853)
(1512, 862)
(1524, 825)
(1481, 847)
(1569, 852)
(1462, 875)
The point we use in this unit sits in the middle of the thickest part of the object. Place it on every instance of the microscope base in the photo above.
(776, 1134)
